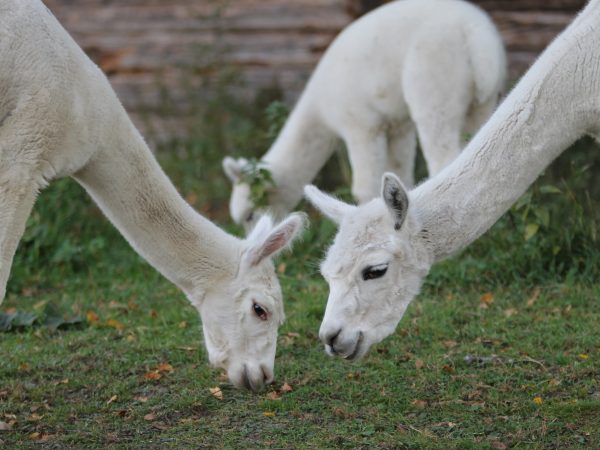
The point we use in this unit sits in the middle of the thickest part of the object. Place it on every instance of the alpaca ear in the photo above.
(264, 244)
(395, 197)
(233, 168)
(330, 206)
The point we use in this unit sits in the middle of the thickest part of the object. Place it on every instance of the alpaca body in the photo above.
(432, 68)
(385, 248)
(60, 117)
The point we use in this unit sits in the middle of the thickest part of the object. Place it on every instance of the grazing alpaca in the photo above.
(428, 67)
(385, 248)
(60, 117)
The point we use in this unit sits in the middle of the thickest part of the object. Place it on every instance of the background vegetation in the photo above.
(500, 350)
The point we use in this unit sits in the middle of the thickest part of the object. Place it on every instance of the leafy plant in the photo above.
(260, 181)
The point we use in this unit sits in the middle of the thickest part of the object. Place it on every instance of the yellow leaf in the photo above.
(281, 268)
(419, 364)
(115, 324)
(583, 356)
(131, 338)
(165, 367)
(538, 400)
(92, 317)
(216, 392)
(510, 312)
(269, 414)
(112, 399)
(531, 230)
(182, 324)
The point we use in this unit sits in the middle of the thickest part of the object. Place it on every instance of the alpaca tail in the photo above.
(488, 58)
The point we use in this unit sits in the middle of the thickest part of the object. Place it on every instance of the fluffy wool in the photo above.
(432, 68)
(60, 117)
(556, 102)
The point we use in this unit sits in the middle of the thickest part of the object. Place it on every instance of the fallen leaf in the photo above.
(5, 426)
(39, 305)
(160, 425)
(269, 414)
(421, 404)
(92, 317)
(216, 392)
(140, 398)
(286, 388)
(150, 416)
(419, 364)
(293, 335)
(153, 314)
(153, 375)
(165, 367)
(534, 296)
(486, 299)
(499, 445)
(182, 324)
(112, 399)
(273, 395)
(131, 338)
(450, 344)
(584, 356)
(281, 268)
(510, 312)
(538, 400)
(35, 417)
(113, 323)
(448, 369)
(187, 349)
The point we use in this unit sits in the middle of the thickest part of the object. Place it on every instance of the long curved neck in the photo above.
(302, 148)
(556, 102)
(125, 180)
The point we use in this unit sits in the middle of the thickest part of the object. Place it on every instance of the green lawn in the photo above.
(501, 349)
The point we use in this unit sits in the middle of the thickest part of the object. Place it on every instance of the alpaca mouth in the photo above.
(357, 348)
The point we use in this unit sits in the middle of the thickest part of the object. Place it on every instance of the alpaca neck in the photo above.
(125, 180)
(302, 148)
(555, 103)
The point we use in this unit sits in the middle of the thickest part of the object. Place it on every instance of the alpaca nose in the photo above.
(329, 336)
(255, 380)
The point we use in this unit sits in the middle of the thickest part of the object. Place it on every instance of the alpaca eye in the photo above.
(372, 272)
(250, 216)
(260, 311)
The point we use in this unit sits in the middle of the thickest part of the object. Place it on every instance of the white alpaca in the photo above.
(428, 67)
(60, 117)
(385, 248)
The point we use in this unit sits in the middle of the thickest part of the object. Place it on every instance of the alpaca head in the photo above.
(241, 316)
(241, 207)
(374, 268)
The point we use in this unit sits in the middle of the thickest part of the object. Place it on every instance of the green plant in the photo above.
(259, 179)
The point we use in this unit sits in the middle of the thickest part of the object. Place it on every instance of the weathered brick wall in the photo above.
(155, 51)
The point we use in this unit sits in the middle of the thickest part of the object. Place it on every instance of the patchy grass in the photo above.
(500, 350)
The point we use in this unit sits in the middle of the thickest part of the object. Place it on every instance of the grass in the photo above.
(501, 349)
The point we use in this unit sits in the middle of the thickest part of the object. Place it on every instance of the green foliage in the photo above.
(260, 181)
(276, 115)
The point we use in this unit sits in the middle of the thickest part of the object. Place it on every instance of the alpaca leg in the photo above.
(438, 89)
(368, 158)
(402, 151)
(17, 195)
